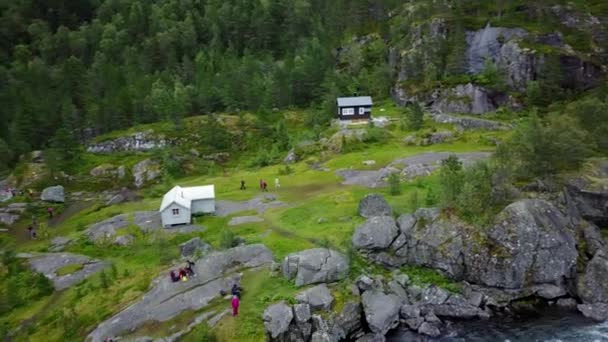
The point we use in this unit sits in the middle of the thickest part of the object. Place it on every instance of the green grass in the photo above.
(423, 276)
(319, 211)
(69, 269)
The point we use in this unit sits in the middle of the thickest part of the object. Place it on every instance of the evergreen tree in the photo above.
(451, 181)
(65, 150)
(414, 117)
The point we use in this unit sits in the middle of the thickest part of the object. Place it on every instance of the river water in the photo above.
(550, 327)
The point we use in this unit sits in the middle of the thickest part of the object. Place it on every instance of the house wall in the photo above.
(206, 206)
(169, 219)
(366, 115)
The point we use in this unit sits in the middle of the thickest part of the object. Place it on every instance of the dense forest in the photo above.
(110, 64)
(93, 66)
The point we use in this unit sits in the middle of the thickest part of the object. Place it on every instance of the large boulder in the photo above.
(377, 232)
(592, 286)
(381, 311)
(53, 194)
(192, 247)
(348, 322)
(319, 298)
(597, 312)
(277, 318)
(317, 265)
(145, 171)
(531, 243)
(374, 205)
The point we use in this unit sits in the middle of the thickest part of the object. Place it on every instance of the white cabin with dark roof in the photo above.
(354, 108)
(179, 204)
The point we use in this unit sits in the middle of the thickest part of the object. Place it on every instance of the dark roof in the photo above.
(355, 101)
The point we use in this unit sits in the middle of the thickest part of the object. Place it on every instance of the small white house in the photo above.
(179, 204)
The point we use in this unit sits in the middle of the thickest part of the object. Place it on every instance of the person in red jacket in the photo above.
(235, 306)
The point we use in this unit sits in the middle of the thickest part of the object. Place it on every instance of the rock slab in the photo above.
(317, 265)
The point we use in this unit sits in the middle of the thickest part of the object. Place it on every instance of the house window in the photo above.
(175, 211)
(361, 110)
(348, 111)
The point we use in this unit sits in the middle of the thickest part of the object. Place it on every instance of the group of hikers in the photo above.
(263, 184)
(183, 273)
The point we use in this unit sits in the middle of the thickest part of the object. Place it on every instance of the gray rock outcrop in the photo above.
(8, 219)
(107, 229)
(165, 299)
(140, 141)
(109, 170)
(317, 265)
(376, 233)
(592, 285)
(374, 205)
(319, 298)
(466, 124)
(145, 171)
(53, 194)
(466, 98)
(124, 240)
(597, 312)
(193, 247)
(381, 311)
(50, 264)
(277, 318)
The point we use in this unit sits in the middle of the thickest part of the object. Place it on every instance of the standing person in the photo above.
(261, 184)
(235, 306)
(242, 184)
(277, 183)
(50, 211)
(236, 291)
(264, 186)
(30, 230)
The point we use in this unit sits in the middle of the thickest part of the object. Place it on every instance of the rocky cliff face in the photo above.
(520, 55)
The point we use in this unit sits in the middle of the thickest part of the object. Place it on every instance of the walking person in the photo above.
(264, 186)
(50, 211)
(235, 306)
(277, 183)
(242, 184)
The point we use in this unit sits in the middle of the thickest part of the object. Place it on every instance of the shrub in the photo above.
(286, 170)
(228, 240)
(394, 183)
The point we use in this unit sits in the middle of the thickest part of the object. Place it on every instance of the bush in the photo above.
(228, 240)
(286, 170)
(538, 150)
(394, 183)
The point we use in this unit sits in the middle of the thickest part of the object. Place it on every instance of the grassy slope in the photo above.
(321, 212)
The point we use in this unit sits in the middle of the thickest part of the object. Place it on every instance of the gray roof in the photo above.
(355, 101)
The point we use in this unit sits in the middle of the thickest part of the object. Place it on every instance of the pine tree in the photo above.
(64, 151)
